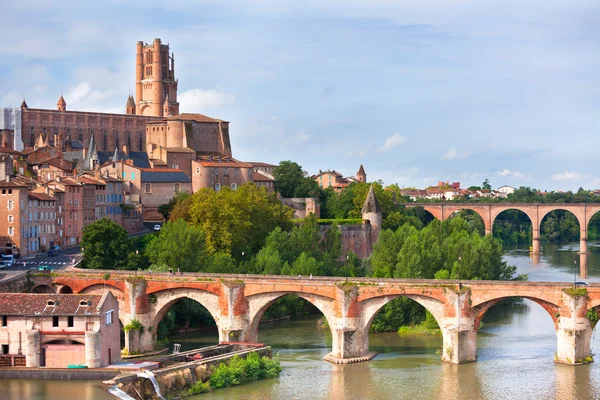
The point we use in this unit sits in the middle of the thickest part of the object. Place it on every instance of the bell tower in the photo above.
(155, 86)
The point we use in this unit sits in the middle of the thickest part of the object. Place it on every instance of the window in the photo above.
(117, 141)
(80, 135)
(217, 187)
(11, 231)
(105, 140)
(4, 349)
(4, 320)
(31, 135)
(109, 317)
(76, 202)
(132, 175)
(70, 321)
(10, 204)
(177, 187)
(140, 142)
(55, 321)
(197, 170)
(148, 188)
(10, 219)
(233, 186)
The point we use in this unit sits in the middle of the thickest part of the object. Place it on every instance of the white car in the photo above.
(157, 227)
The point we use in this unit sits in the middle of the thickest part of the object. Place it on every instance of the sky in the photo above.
(417, 91)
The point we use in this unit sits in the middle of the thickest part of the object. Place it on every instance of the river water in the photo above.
(515, 357)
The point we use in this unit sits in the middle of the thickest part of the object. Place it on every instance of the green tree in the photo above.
(237, 221)
(105, 245)
(166, 209)
(291, 181)
(179, 245)
(486, 184)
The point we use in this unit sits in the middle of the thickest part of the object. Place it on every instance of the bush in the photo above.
(252, 367)
(199, 387)
(223, 376)
(238, 370)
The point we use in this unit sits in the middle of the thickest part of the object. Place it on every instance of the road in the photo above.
(61, 261)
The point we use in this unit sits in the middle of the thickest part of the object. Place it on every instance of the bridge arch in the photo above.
(61, 338)
(496, 221)
(371, 307)
(479, 310)
(45, 289)
(165, 299)
(258, 304)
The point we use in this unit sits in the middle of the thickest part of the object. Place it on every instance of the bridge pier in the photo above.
(458, 329)
(574, 332)
(536, 247)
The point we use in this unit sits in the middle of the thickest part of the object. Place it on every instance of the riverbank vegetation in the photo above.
(236, 371)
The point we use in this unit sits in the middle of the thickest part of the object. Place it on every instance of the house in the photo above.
(264, 167)
(263, 179)
(58, 330)
(216, 172)
(507, 189)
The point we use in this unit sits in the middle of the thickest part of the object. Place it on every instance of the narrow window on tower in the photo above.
(105, 140)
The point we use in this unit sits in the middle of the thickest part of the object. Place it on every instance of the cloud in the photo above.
(566, 176)
(508, 172)
(84, 92)
(393, 141)
(197, 100)
(453, 154)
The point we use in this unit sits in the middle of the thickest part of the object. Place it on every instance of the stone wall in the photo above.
(303, 206)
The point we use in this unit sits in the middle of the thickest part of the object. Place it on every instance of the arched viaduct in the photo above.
(238, 302)
(535, 211)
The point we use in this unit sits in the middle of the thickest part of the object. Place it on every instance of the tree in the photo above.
(105, 245)
(166, 209)
(179, 245)
(237, 221)
(288, 176)
(486, 184)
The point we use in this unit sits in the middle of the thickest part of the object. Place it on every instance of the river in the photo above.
(515, 357)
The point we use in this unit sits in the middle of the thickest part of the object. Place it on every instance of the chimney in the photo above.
(125, 149)
(7, 178)
(47, 190)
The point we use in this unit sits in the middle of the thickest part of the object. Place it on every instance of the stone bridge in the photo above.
(238, 302)
(535, 211)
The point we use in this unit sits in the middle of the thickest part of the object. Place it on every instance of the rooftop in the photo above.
(25, 304)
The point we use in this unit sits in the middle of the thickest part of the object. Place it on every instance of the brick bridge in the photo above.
(535, 211)
(238, 302)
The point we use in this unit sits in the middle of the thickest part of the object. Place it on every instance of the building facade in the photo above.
(58, 330)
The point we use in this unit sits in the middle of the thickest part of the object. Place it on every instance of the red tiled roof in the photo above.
(8, 150)
(91, 180)
(262, 164)
(222, 162)
(192, 117)
(160, 170)
(25, 304)
(41, 196)
(258, 177)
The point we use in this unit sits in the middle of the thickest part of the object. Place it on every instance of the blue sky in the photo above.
(416, 90)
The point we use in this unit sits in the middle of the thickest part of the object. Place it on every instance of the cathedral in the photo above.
(154, 108)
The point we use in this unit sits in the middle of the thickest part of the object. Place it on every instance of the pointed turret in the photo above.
(91, 156)
(167, 109)
(130, 106)
(115, 157)
(371, 214)
(371, 204)
(24, 103)
(61, 104)
(361, 175)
